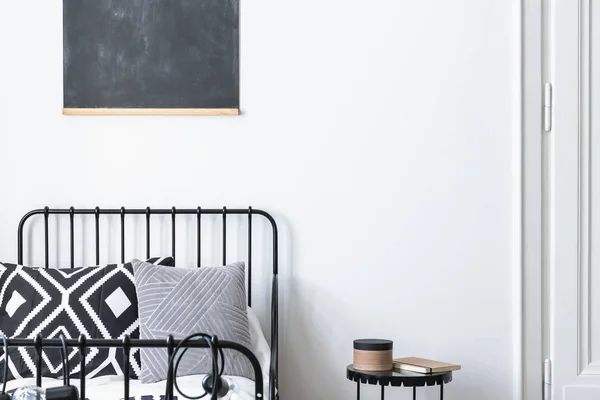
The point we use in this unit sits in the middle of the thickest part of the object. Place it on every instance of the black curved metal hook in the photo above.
(210, 385)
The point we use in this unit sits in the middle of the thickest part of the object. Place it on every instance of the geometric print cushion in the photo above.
(99, 302)
(183, 301)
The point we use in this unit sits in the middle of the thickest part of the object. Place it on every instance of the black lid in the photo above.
(373, 344)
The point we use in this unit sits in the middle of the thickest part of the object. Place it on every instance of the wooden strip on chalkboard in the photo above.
(151, 111)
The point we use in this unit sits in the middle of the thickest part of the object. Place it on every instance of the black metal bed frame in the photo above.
(83, 343)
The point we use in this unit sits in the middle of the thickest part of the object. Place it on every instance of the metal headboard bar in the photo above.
(83, 344)
(148, 212)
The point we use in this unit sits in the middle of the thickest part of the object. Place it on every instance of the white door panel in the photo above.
(581, 392)
(574, 194)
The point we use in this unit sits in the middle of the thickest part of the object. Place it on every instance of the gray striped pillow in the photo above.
(182, 301)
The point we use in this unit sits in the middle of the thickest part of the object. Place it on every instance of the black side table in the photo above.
(397, 378)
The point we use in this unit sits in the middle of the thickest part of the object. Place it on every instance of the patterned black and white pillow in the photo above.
(99, 302)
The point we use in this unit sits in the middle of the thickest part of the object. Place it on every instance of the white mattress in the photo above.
(111, 387)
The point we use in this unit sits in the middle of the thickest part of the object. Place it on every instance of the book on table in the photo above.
(423, 365)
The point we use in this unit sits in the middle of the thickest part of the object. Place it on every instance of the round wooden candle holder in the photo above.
(373, 354)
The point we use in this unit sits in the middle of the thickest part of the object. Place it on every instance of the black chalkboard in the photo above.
(155, 54)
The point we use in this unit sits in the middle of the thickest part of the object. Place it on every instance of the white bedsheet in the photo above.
(111, 387)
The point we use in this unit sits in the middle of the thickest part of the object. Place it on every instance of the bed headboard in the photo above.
(148, 212)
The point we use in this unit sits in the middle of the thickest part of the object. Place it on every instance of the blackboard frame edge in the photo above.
(152, 111)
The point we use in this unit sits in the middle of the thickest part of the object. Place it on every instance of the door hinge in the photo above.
(547, 379)
(548, 106)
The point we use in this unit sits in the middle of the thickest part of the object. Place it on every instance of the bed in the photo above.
(261, 356)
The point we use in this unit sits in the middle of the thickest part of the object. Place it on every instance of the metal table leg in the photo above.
(442, 391)
(382, 392)
(414, 393)
(357, 390)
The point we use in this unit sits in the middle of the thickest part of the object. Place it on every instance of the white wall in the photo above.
(379, 133)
